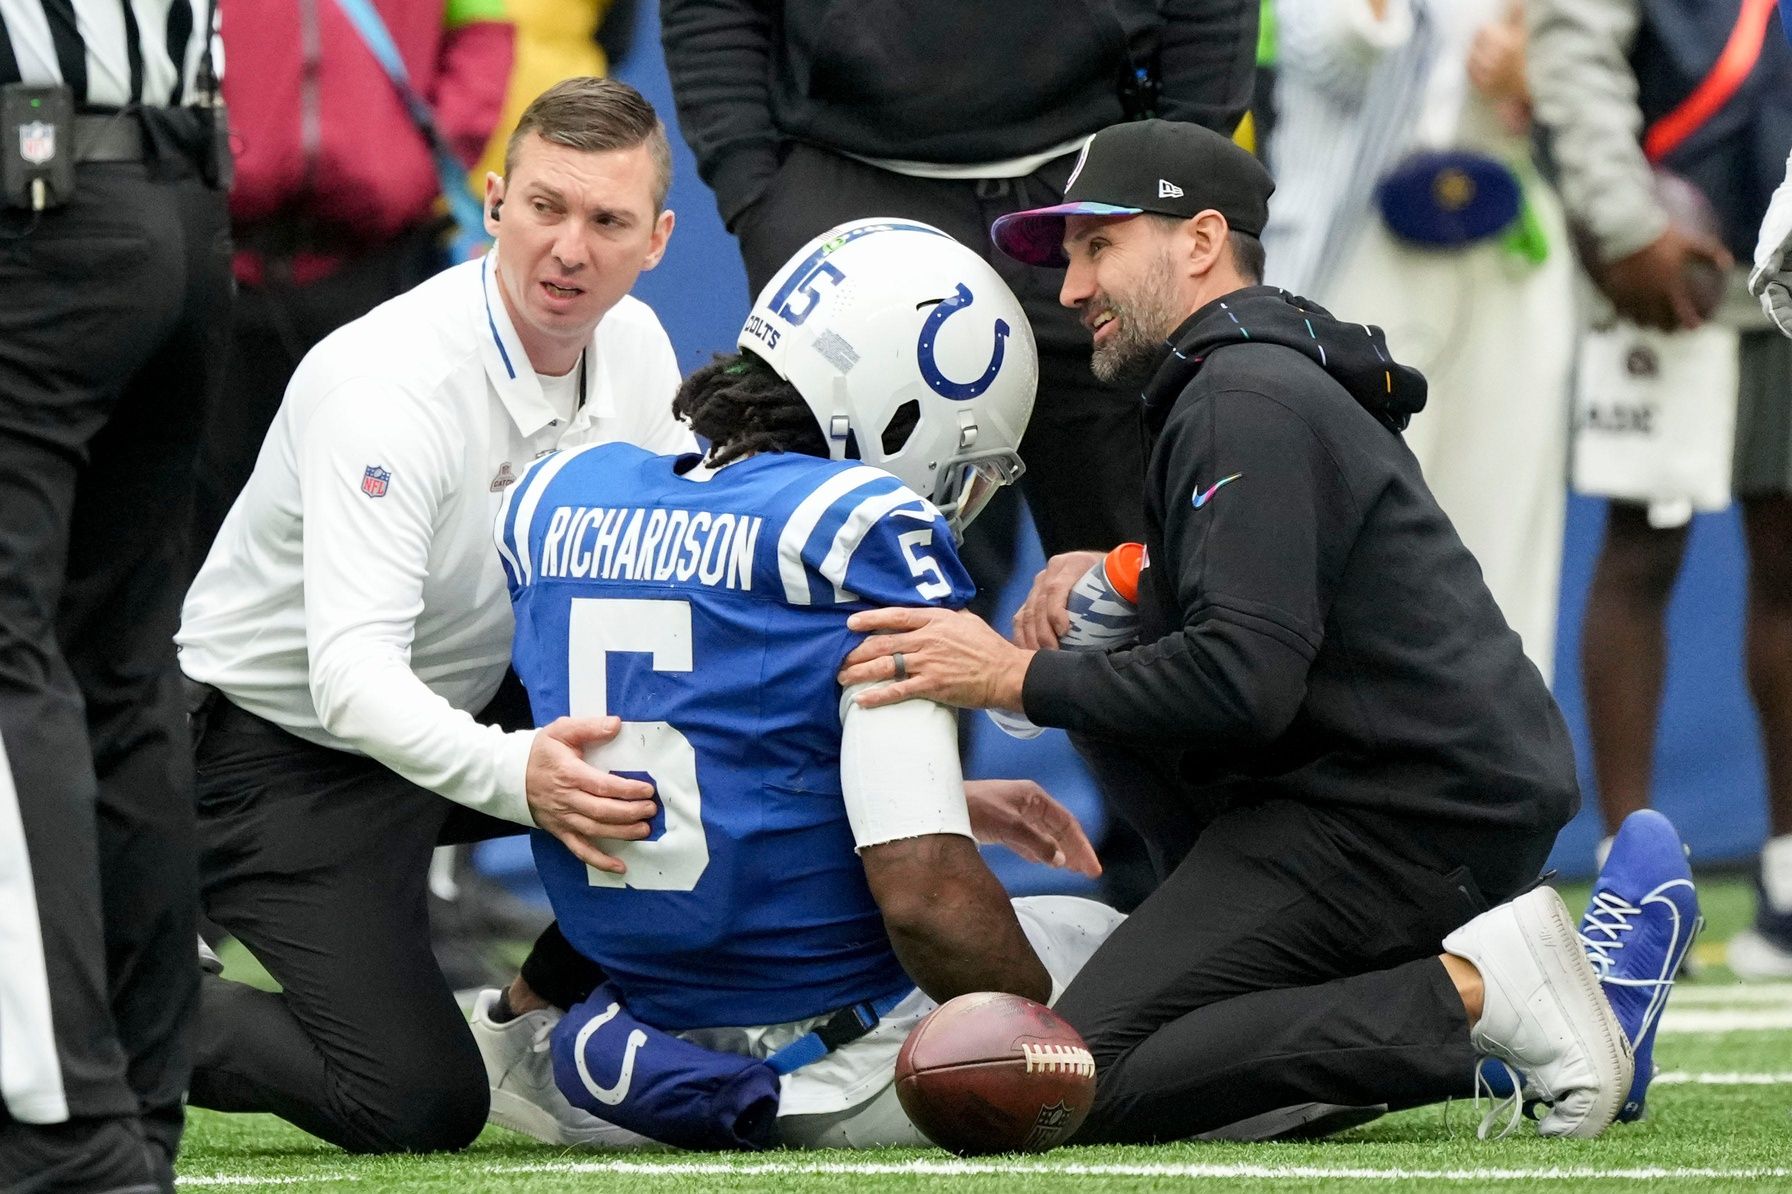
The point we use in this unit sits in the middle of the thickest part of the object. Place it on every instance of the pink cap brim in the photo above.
(1036, 237)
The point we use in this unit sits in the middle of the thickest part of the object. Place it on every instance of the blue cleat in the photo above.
(1638, 926)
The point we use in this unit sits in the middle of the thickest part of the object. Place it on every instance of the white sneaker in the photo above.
(1544, 1013)
(521, 1074)
(1753, 956)
(1764, 949)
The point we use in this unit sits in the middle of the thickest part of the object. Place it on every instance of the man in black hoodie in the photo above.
(1329, 736)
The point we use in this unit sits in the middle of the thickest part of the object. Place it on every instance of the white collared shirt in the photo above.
(353, 595)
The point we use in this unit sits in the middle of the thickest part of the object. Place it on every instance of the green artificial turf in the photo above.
(1706, 1131)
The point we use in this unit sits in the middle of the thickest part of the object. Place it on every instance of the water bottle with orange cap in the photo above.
(1104, 614)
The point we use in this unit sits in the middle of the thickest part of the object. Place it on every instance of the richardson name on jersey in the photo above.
(630, 543)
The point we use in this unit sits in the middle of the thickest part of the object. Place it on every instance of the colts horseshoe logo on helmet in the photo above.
(937, 381)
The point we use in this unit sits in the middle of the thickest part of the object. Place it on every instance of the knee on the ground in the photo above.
(420, 1117)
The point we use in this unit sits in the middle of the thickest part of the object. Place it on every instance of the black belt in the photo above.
(109, 137)
(229, 718)
(210, 710)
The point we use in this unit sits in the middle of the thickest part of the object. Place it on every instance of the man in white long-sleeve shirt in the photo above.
(350, 627)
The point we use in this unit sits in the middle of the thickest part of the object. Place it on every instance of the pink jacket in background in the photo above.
(322, 140)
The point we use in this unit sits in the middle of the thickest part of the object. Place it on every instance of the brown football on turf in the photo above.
(995, 1073)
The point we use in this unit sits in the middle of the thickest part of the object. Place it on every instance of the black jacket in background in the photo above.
(941, 81)
(1315, 629)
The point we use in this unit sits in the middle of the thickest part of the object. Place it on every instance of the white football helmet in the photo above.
(903, 339)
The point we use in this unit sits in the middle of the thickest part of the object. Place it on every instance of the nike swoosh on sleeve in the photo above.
(1201, 499)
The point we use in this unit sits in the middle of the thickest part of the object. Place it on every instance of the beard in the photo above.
(1141, 320)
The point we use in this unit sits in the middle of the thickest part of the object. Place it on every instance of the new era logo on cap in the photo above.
(1078, 168)
(1123, 171)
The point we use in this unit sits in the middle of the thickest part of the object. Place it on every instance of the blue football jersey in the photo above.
(710, 616)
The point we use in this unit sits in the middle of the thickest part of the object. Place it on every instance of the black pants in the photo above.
(274, 326)
(1085, 446)
(113, 311)
(318, 862)
(1290, 958)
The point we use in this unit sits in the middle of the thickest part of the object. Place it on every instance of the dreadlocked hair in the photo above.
(741, 407)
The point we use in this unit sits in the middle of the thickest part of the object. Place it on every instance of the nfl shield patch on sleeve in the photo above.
(375, 480)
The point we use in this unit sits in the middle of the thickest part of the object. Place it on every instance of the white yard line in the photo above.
(1732, 994)
(235, 1179)
(949, 1168)
(1685, 1020)
(673, 1169)
(954, 1168)
(1726, 1078)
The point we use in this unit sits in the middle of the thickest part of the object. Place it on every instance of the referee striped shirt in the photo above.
(109, 52)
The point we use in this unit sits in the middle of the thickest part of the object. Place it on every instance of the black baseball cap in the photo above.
(1169, 167)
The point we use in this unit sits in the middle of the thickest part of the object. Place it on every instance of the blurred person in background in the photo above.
(336, 209)
(1702, 88)
(555, 40)
(809, 113)
(1407, 195)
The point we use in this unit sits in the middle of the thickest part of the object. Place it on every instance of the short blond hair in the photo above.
(593, 114)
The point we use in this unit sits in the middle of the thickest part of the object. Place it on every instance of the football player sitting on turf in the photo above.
(812, 887)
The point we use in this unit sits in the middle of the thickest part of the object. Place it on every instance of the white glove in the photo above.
(1771, 279)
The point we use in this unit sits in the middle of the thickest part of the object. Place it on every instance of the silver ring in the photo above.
(901, 665)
